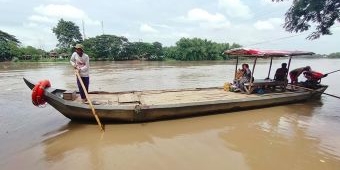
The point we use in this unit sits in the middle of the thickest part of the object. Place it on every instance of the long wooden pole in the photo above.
(331, 95)
(332, 72)
(89, 100)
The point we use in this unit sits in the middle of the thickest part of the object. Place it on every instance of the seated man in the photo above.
(281, 73)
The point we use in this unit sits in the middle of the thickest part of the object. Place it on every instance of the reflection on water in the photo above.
(297, 136)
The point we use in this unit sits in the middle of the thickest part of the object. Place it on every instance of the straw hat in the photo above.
(79, 46)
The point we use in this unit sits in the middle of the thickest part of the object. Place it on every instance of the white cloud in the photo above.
(147, 29)
(235, 8)
(206, 20)
(275, 4)
(162, 26)
(264, 25)
(33, 35)
(216, 26)
(267, 2)
(60, 11)
(181, 34)
(269, 24)
(198, 14)
(40, 19)
(335, 27)
(48, 13)
(59, 1)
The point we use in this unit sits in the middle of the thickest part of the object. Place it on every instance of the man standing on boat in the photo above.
(80, 62)
(294, 74)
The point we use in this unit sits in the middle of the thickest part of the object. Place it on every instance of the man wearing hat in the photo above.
(80, 61)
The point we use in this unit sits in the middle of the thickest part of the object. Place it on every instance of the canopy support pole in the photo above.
(252, 74)
(270, 67)
(236, 67)
(290, 59)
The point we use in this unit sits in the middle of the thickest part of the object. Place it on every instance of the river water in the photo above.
(296, 136)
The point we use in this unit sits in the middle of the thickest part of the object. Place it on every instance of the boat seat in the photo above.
(264, 83)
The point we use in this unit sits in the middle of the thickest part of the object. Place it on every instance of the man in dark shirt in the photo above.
(281, 73)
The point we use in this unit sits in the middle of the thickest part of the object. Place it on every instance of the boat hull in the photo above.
(140, 112)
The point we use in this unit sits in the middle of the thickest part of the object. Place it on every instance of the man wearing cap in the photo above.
(80, 61)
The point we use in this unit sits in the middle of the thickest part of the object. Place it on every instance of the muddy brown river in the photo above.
(301, 136)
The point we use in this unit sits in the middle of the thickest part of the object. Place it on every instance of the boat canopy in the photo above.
(264, 53)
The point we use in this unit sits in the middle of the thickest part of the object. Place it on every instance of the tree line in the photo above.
(334, 55)
(113, 47)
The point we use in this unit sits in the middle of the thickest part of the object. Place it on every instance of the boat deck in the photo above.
(164, 97)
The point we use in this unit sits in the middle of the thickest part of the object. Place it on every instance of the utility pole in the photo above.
(84, 36)
(102, 27)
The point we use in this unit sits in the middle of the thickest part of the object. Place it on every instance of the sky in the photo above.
(250, 23)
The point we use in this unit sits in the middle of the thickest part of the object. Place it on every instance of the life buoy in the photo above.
(38, 92)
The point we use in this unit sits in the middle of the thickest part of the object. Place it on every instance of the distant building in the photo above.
(53, 54)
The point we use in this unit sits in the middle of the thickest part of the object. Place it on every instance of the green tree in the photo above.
(157, 51)
(5, 51)
(15, 50)
(234, 45)
(149, 51)
(128, 51)
(107, 47)
(7, 37)
(8, 46)
(171, 52)
(334, 55)
(196, 49)
(324, 13)
(31, 52)
(67, 33)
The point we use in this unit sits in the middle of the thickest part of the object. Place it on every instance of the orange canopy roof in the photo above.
(264, 53)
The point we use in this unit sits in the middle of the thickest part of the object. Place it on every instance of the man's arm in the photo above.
(87, 64)
(73, 60)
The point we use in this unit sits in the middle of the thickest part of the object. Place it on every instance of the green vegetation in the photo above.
(112, 47)
(323, 13)
(5, 37)
(8, 46)
(334, 55)
(10, 50)
(197, 49)
(67, 34)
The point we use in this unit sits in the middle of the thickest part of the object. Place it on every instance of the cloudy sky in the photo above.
(251, 23)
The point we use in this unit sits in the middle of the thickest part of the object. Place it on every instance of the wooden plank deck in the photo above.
(161, 97)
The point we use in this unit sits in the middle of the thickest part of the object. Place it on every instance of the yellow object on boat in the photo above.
(226, 86)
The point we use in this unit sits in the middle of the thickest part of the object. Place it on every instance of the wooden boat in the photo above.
(140, 106)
